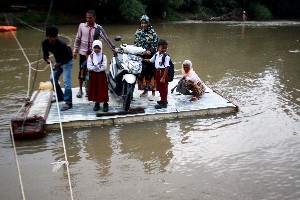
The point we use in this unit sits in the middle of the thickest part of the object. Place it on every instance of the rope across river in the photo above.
(57, 164)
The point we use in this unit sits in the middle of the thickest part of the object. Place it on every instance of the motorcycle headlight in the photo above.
(137, 68)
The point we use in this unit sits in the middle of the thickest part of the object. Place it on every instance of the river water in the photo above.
(253, 154)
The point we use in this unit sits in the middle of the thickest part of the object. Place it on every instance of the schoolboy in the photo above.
(161, 75)
(64, 64)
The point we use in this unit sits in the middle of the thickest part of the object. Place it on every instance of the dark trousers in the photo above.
(162, 87)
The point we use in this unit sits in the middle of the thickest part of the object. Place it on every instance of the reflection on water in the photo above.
(98, 148)
(252, 154)
(150, 145)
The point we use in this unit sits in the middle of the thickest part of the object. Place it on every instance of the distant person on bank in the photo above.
(244, 16)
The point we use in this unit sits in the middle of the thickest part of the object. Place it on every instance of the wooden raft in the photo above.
(31, 124)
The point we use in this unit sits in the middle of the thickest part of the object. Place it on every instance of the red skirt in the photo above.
(98, 87)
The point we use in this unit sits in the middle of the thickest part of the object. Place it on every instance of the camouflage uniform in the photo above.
(148, 40)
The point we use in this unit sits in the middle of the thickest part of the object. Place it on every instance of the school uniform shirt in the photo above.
(157, 60)
(93, 64)
(98, 85)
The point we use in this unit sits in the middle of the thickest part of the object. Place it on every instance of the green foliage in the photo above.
(34, 17)
(204, 13)
(260, 12)
(173, 15)
(224, 6)
(40, 18)
(132, 9)
(175, 3)
(193, 6)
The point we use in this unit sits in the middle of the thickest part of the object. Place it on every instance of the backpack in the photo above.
(97, 33)
(171, 70)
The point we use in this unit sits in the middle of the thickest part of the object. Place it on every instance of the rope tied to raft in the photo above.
(58, 164)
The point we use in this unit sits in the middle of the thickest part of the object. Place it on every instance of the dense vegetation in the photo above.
(130, 10)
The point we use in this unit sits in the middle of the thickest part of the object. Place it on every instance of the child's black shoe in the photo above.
(159, 102)
(160, 106)
(105, 107)
(96, 107)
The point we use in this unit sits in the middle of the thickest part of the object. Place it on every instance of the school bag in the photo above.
(171, 70)
(97, 33)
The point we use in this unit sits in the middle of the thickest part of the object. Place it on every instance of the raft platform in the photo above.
(141, 109)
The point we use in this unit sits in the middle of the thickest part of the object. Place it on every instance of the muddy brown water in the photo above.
(253, 154)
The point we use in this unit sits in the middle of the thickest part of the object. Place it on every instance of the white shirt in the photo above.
(157, 59)
(94, 66)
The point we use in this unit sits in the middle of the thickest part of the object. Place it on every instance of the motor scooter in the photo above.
(125, 65)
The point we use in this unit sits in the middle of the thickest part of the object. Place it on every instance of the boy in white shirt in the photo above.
(161, 76)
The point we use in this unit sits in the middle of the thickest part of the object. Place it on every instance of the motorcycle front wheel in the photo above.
(128, 96)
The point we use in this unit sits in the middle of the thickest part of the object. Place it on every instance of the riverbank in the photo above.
(21, 15)
(32, 17)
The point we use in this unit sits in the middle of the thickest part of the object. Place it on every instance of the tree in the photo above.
(132, 9)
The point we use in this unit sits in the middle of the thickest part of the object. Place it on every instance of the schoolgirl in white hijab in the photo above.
(98, 85)
(97, 61)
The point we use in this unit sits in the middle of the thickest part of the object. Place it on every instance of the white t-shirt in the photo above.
(157, 59)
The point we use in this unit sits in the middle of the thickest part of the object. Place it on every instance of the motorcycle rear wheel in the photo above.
(128, 96)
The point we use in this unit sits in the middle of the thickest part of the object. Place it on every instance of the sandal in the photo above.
(66, 107)
(79, 94)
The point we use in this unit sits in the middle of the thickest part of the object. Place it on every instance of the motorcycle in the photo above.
(125, 65)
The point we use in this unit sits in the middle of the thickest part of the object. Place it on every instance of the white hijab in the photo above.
(97, 57)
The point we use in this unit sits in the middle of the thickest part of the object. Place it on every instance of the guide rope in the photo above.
(11, 129)
(27, 98)
(20, 46)
(60, 163)
(17, 162)
(40, 30)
